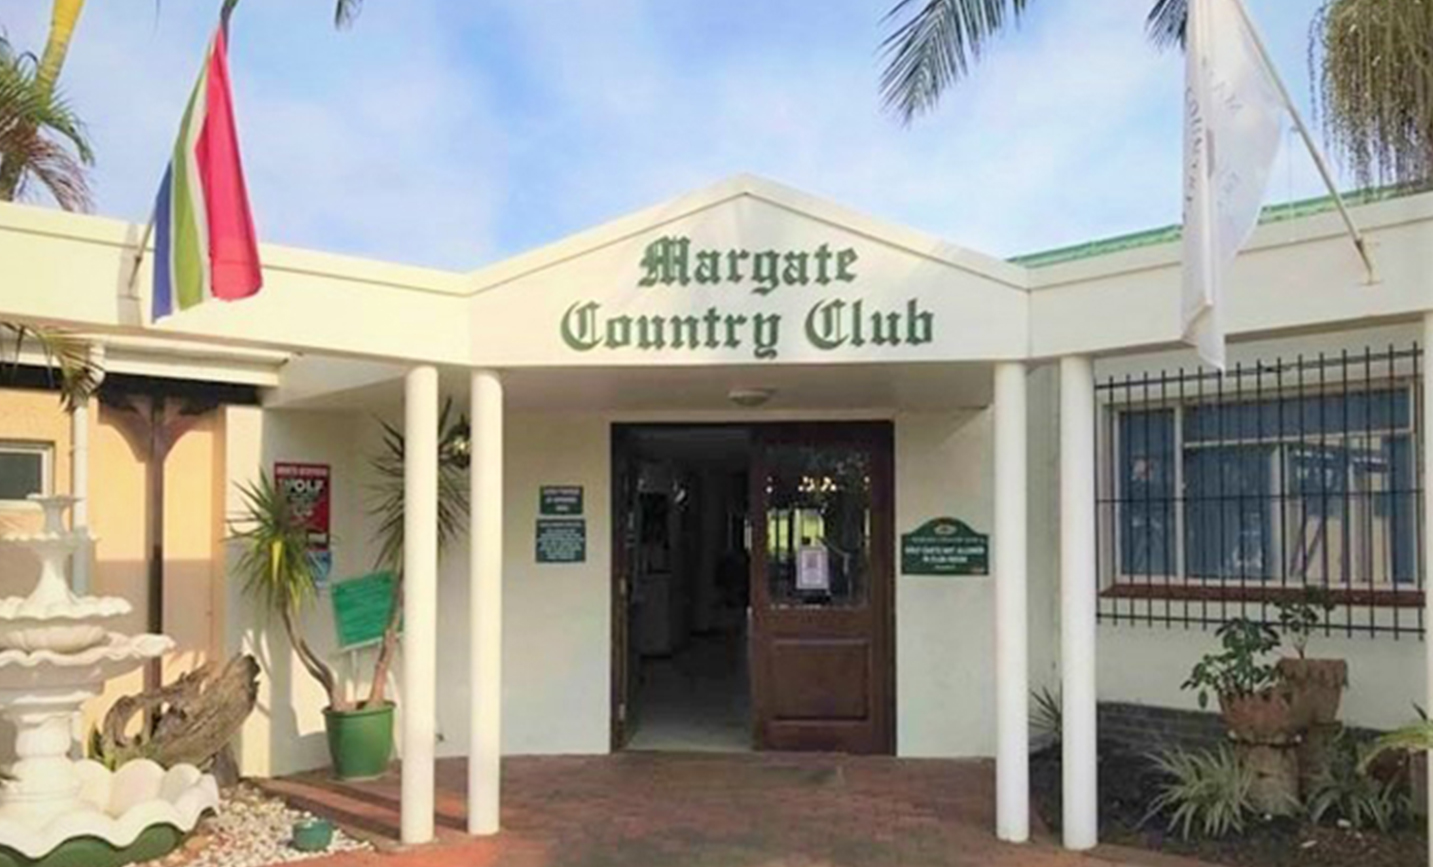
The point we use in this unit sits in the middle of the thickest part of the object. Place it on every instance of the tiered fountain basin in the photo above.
(137, 813)
(55, 655)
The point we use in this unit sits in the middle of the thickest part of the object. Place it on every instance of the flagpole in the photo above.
(1359, 242)
(139, 257)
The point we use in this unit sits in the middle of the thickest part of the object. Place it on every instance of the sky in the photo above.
(453, 133)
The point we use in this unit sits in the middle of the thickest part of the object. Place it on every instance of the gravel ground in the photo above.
(249, 830)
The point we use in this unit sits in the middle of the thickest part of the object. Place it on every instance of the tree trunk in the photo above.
(313, 664)
(378, 691)
(196, 716)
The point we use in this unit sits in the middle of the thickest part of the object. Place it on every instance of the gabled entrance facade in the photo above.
(920, 480)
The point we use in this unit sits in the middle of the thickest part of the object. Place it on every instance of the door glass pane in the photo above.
(818, 525)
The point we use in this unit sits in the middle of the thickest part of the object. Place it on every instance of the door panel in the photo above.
(822, 587)
(625, 661)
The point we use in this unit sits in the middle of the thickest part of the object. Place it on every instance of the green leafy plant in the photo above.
(1207, 791)
(1346, 790)
(1413, 738)
(1299, 616)
(277, 572)
(454, 442)
(1047, 715)
(1240, 667)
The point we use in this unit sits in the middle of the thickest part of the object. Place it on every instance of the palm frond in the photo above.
(345, 11)
(1168, 23)
(65, 354)
(388, 504)
(43, 143)
(1372, 66)
(932, 46)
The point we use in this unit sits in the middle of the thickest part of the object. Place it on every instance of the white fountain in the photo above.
(55, 654)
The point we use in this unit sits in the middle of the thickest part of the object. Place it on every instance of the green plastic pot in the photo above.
(312, 835)
(360, 742)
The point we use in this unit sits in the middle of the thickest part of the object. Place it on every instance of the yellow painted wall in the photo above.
(193, 527)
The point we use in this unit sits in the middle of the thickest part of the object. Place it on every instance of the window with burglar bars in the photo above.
(1221, 496)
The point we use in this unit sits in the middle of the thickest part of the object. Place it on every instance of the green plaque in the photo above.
(561, 540)
(945, 546)
(559, 500)
(361, 609)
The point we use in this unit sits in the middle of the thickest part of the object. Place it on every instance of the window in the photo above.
(1319, 490)
(25, 469)
(1220, 496)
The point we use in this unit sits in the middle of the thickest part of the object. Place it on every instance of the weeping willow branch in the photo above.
(1372, 66)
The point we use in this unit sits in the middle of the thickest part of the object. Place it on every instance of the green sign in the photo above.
(361, 609)
(559, 500)
(945, 546)
(561, 540)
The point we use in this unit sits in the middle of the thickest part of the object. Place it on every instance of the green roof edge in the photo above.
(1168, 234)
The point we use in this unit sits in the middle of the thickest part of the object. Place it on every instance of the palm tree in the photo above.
(934, 43)
(42, 142)
(1375, 87)
(1371, 60)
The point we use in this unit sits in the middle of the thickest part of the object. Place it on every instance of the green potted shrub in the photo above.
(1316, 685)
(279, 576)
(1255, 706)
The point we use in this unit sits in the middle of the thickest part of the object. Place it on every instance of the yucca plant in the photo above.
(277, 572)
(388, 507)
(1208, 790)
(1047, 715)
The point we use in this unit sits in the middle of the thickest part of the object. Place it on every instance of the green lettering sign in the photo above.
(362, 608)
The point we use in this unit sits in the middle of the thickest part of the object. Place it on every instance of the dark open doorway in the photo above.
(753, 587)
(682, 511)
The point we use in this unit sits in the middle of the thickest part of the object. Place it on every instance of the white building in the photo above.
(769, 404)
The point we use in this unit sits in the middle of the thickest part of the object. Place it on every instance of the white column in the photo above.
(420, 601)
(1077, 600)
(80, 490)
(1012, 711)
(1427, 434)
(485, 614)
(83, 558)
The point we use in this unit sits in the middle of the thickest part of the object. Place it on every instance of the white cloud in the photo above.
(451, 134)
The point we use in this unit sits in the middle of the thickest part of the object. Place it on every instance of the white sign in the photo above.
(812, 568)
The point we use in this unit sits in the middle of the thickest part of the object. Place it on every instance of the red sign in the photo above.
(308, 489)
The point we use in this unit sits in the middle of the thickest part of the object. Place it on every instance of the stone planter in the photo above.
(1261, 727)
(1264, 717)
(1316, 689)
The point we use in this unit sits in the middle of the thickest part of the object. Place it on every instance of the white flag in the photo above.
(1232, 124)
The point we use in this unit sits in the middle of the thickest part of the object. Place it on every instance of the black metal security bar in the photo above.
(1223, 496)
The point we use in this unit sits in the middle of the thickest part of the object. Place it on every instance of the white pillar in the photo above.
(1427, 444)
(1012, 710)
(485, 615)
(80, 490)
(420, 601)
(1078, 587)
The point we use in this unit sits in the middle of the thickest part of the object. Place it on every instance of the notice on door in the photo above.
(945, 546)
(813, 569)
(561, 540)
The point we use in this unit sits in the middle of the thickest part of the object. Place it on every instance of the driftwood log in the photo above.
(191, 720)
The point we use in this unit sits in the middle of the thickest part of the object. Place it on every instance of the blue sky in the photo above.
(452, 134)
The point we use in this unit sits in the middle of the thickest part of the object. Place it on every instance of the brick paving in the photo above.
(638, 809)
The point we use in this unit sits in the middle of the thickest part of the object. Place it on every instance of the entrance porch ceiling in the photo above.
(848, 388)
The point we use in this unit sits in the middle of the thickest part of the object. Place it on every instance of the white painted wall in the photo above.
(1146, 665)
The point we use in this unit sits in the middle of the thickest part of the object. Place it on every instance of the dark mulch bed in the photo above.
(1128, 784)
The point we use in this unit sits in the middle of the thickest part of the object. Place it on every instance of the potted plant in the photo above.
(1255, 707)
(1316, 685)
(279, 575)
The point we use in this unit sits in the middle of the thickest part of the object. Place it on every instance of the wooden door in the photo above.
(821, 588)
(626, 664)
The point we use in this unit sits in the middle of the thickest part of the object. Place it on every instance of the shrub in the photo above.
(1240, 668)
(1346, 790)
(1210, 790)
